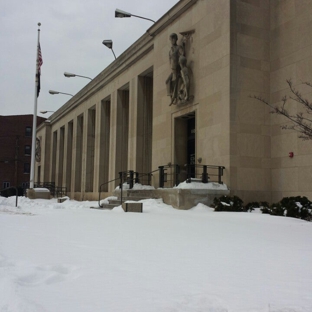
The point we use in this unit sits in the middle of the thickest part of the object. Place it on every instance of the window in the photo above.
(27, 150)
(28, 131)
(6, 184)
(26, 168)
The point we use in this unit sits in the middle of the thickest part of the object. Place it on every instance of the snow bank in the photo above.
(67, 257)
(136, 186)
(200, 185)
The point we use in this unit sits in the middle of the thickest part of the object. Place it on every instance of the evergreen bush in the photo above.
(295, 207)
(251, 206)
(277, 209)
(228, 203)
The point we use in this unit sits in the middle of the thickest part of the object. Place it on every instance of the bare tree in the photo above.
(300, 121)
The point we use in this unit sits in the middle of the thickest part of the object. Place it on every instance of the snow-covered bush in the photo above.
(251, 206)
(295, 207)
(228, 203)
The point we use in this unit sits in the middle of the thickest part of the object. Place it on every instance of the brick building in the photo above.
(15, 149)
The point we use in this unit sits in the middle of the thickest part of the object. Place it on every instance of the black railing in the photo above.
(174, 174)
(55, 191)
(170, 174)
(60, 191)
(130, 177)
(100, 189)
(205, 172)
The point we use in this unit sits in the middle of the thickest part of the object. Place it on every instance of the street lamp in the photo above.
(121, 14)
(68, 75)
(109, 44)
(57, 92)
(44, 112)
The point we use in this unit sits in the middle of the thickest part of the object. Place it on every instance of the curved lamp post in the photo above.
(57, 92)
(109, 44)
(44, 112)
(121, 14)
(68, 75)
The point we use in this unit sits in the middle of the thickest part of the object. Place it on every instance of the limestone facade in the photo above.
(122, 119)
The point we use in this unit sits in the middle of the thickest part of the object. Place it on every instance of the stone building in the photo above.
(125, 120)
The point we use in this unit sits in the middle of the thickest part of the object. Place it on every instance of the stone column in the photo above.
(133, 124)
(78, 150)
(90, 149)
(113, 171)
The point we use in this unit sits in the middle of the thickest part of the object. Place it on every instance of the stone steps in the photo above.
(109, 206)
(112, 203)
(178, 198)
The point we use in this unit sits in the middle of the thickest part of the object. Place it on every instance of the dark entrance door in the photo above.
(185, 145)
(191, 146)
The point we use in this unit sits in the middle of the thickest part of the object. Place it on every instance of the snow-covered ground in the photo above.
(70, 258)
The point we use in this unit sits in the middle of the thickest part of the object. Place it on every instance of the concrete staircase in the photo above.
(112, 203)
(178, 198)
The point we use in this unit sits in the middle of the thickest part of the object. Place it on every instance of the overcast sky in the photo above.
(71, 40)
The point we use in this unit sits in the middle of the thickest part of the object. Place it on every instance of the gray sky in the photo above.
(71, 40)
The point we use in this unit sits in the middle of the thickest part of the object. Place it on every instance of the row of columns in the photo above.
(101, 140)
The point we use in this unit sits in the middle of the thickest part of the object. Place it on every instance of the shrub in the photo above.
(10, 191)
(295, 207)
(251, 206)
(228, 203)
(277, 209)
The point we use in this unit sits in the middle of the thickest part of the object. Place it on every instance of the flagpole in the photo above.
(34, 129)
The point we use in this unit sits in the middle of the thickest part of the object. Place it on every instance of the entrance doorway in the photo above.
(185, 144)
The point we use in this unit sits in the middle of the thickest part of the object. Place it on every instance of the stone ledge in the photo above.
(35, 193)
(178, 198)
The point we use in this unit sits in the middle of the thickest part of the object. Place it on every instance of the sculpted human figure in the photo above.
(172, 81)
(185, 86)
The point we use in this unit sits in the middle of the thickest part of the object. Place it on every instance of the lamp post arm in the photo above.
(58, 92)
(114, 53)
(84, 77)
(65, 93)
(143, 18)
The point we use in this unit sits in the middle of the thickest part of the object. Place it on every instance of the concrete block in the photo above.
(61, 199)
(132, 207)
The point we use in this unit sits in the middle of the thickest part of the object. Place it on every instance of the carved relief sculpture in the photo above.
(179, 80)
(184, 90)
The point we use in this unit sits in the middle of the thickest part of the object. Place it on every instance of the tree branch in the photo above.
(300, 123)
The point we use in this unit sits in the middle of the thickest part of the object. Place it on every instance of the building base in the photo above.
(178, 198)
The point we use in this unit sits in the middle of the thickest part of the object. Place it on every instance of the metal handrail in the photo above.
(131, 176)
(101, 187)
(140, 175)
(55, 191)
(204, 174)
(190, 171)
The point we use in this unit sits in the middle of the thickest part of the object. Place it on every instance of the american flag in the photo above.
(39, 63)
